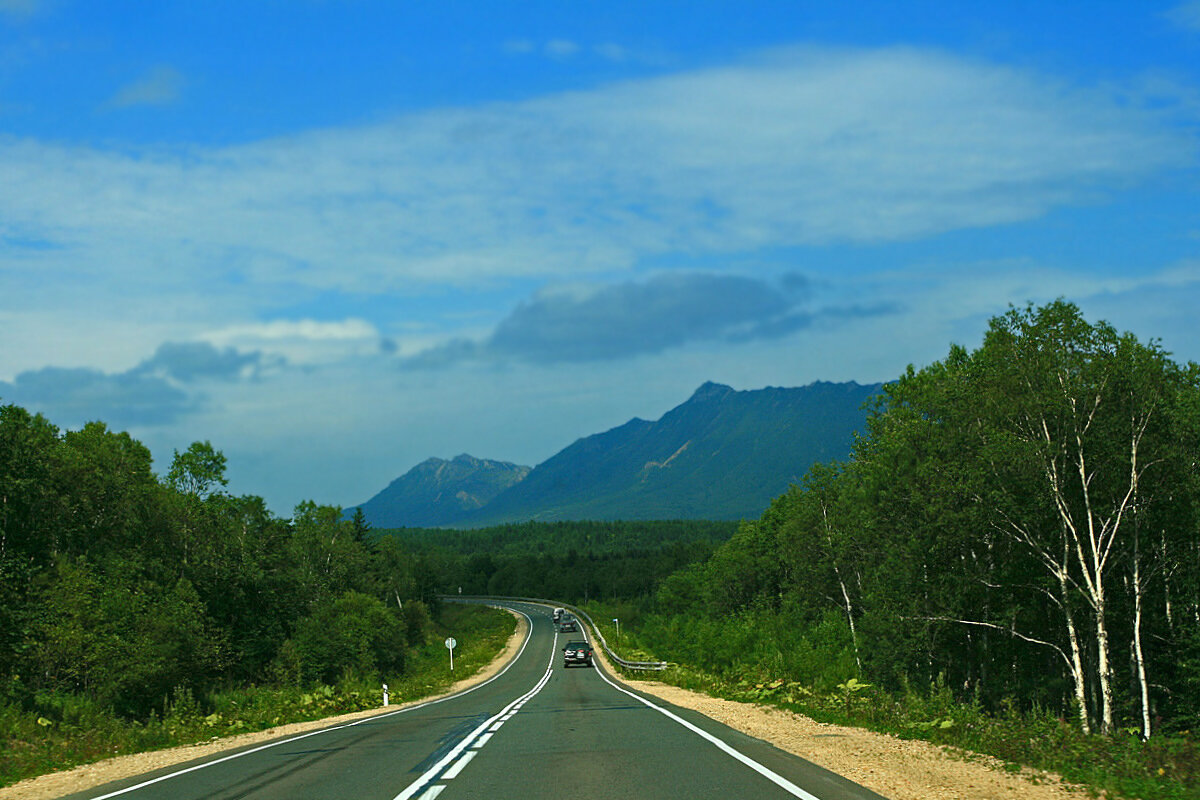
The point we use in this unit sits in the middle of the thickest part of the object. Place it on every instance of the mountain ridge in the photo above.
(722, 454)
(438, 492)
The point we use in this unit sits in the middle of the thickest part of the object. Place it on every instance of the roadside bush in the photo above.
(353, 635)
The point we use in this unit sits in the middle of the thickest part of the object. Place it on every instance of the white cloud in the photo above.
(302, 342)
(160, 86)
(611, 51)
(1186, 15)
(20, 8)
(796, 148)
(518, 46)
(561, 48)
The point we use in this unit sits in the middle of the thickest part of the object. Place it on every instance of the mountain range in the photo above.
(722, 454)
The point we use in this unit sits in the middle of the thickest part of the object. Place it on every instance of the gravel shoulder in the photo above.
(895, 768)
(898, 769)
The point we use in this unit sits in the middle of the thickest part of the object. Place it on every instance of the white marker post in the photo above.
(385, 695)
(450, 644)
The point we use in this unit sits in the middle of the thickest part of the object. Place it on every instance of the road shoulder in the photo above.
(898, 769)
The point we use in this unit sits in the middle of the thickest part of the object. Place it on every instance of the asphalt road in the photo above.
(537, 730)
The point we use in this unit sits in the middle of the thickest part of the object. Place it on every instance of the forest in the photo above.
(1018, 524)
(570, 561)
(127, 588)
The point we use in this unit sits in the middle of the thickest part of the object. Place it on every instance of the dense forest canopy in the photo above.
(127, 589)
(1019, 524)
(571, 561)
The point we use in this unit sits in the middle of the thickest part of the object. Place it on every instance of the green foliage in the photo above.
(55, 730)
(198, 470)
(352, 635)
(127, 601)
(571, 561)
(121, 638)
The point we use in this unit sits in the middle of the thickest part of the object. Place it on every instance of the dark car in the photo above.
(577, 653)
(568, 625)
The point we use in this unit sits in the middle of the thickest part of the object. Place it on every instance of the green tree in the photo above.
(351, 635)
(198, 470)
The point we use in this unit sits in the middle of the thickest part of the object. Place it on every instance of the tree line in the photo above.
(1017, 523)
(570, 561)
(129, 589)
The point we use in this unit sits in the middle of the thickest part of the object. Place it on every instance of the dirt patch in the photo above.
(58, 784)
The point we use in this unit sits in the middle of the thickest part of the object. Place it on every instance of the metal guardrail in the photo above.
(625, 663)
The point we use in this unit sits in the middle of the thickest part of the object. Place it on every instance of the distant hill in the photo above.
(438, 493)
(721, 455)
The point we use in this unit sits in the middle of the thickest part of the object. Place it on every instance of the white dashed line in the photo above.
(452, 773)
(474, 740)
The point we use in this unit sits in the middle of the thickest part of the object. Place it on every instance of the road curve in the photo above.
(536, 730)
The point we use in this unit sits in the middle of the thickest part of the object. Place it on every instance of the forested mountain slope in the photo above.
(438, 492)
(722, 455)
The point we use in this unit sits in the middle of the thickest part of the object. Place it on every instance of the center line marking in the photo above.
(490, 725)
(452, 773)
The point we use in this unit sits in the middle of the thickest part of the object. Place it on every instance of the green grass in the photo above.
(63, 731)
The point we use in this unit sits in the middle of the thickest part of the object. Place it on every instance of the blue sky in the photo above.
(337, 238)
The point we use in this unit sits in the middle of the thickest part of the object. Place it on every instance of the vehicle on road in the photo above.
(577, 653)
(558, 614)
(568, 625)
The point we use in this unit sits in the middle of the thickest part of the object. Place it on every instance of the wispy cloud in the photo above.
(158, 87)
(158, 391)
(21, 8)
(611, 51)
(600, 323)
(188, 362)
(74, 396)
(303, 342)
(800, 148)
(518, 46)
(795, 148)
(561, 48)
(1186, 15)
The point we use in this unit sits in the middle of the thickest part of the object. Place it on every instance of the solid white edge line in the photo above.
(766, 772)
(206, 764)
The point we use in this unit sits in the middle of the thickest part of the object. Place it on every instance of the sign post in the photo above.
(450, 645)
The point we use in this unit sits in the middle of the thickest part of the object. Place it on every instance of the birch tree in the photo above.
(1086, 400)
